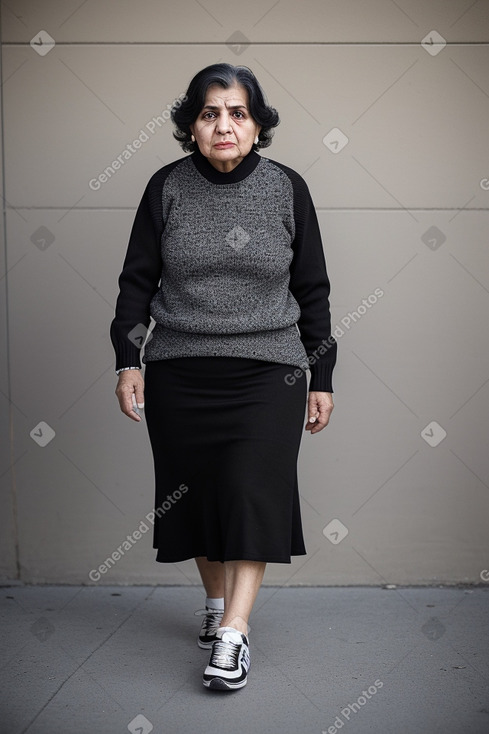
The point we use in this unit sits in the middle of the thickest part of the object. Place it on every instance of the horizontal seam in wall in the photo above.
(251, 43)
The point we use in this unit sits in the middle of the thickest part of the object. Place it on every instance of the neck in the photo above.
(218, 176)
(225, 166)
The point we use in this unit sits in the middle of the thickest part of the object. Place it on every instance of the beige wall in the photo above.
(403, 207)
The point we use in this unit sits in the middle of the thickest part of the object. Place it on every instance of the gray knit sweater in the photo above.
(227, 264)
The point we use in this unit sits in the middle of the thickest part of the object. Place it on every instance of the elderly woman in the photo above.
(225, 255)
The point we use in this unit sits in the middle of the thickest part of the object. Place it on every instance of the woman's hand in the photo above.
(319, 407)
(130, 384)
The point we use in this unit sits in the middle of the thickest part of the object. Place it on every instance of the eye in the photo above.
(239, 114)
(207, 115)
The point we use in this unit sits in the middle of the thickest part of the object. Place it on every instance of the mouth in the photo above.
(223, 146)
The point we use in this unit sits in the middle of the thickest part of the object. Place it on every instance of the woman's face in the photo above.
(224, 129)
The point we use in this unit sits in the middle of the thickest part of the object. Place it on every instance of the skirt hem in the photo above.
(244, 557)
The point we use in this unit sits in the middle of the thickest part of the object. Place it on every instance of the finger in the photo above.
(313, 417)
(315, 427)
(325, 414)
(135, 407)
(131, 407)
(139, 392)
(312, 410)
(311, 423)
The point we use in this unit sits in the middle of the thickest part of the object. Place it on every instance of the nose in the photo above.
(223, 124)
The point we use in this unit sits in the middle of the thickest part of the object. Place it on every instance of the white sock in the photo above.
(214, 603)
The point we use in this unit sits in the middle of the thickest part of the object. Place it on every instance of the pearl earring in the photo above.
(192, 139)
(256, 140)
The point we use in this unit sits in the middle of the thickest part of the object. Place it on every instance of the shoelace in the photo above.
(211, 622)
(225, 655)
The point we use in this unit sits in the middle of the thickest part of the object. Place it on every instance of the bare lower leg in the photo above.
(212, 575)
(242, 580)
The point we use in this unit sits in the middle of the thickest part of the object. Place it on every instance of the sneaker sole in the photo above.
(219, 684)
(205, 645)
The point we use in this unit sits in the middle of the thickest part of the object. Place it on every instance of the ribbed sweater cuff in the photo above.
(321, 377)
(127, 355)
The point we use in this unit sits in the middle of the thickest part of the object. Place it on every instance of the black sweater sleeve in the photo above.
(140, 277)
(310, 286)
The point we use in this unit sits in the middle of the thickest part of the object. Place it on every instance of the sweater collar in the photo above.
(240, 172)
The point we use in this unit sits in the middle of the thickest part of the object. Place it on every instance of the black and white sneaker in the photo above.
(230, 661)
(210, 623)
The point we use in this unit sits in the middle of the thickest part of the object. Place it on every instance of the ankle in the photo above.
(216, 602)
(237, 623)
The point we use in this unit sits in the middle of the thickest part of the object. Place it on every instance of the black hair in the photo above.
(185, 112)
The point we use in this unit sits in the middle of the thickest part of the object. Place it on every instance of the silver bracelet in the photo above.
(122, 369)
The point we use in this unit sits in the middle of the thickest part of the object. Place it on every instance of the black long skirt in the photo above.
(225, 434)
